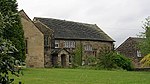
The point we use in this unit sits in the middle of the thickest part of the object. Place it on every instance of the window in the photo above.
(69, 44)
(138, 53)
(56, 44)
(26, 46)
(46, 40)
(88, 47)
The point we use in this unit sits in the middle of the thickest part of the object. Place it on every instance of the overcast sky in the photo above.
(120, 19)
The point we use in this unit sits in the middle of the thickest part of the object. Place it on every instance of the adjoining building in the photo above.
(130, 48)
(51, 42)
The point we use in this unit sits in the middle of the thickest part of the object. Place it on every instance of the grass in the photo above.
(82, 76)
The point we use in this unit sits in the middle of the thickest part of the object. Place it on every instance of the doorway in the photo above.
(54, 61)
(63, 60)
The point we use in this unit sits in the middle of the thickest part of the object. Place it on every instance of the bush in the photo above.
(92, 61)
(112, 60)
(76, 57)
(146, 61)
(122, 62)
(106, 60)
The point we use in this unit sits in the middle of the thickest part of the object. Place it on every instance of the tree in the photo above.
(13, 29)
(147, 27)
(7, 61)
(145, 45)
(8, 22)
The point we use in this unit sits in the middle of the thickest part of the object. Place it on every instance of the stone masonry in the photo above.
(35, 42)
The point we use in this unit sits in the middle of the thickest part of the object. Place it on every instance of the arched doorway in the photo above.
(63, 60)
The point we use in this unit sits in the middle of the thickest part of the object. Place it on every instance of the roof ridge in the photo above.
(135, 37)
(66, 20)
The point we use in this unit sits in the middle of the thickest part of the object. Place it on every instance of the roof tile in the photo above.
(74, 30)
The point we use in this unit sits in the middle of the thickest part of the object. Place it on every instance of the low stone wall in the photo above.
(142, 69)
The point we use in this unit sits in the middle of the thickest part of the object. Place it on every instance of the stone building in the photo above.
(34, 40)
(130, 49)
(68, 35)
(55, 40)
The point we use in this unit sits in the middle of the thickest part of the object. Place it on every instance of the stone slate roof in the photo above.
(138, 40)
(74, 30)
(43, 28)
(135, 41)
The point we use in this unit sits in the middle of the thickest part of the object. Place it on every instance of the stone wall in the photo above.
(96, 46)
(35, 43)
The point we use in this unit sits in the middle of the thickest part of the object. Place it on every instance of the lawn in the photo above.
(82, 76)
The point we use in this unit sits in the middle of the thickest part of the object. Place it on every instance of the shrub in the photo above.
(122, 61)
(76, 57)
(92, 61)
(146, 61)
(112, 60)
(106, 60)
